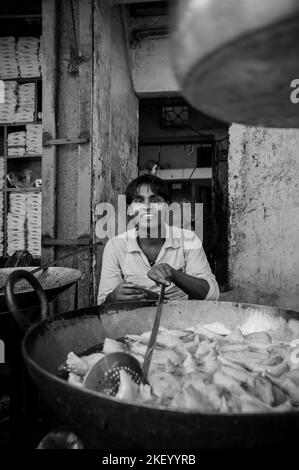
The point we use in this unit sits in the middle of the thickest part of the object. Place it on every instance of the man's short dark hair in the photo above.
(157, 185)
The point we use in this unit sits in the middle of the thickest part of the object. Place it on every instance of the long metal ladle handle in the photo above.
(153, 337)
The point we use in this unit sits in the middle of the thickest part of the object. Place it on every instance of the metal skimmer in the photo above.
(104, 375)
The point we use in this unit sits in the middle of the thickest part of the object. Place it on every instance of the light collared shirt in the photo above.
(124, 261)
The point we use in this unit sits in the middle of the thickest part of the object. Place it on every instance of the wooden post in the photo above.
(49, 74)
(101, 116)
(85, 154)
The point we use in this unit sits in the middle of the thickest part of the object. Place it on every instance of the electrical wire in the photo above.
(187, 181)
(218, 145)
(189, 127)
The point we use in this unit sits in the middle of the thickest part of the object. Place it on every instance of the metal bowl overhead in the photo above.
(237, 60)
(103, 422)
(54, 281)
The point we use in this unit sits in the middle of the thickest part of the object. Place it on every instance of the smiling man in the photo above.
(138, 261)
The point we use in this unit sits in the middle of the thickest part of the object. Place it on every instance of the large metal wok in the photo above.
(103, 422)
(54, 281)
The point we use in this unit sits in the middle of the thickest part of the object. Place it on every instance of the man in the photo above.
(137, 262)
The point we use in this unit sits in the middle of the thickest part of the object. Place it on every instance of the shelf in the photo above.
(17, 146)
(13, 16)
(36, 260)
(16, 161)
(24, 157)
(15, 124)
(23, 190)
(21, 79)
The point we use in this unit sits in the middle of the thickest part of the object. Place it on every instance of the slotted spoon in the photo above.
(104, 375)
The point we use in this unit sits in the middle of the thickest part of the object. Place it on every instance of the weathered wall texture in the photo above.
(94, 97)
(264, 214)
(152, 67)
(124, 112)
(71, 216)
(115, 107)
(67, 126)
(115, 112)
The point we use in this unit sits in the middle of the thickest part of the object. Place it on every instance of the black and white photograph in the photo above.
(149, 229)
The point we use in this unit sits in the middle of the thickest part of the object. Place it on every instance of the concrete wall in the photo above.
(124, 112)
(152, 67)
(115, 113)
(95, 96)
(264, 215)
(70, 215)
(67, 126)
(115, 107)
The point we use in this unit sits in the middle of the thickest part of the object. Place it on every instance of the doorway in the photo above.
(189, 150)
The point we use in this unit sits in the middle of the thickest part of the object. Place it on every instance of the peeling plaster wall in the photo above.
(67, 125)
(124, 113)
(152, 67)
(264, 214)
(115, 120)
(73, 179)
(115, 107)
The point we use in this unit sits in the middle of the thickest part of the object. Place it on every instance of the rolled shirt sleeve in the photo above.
(111, 275)
(197, 264)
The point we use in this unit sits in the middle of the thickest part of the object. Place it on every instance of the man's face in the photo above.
(149, 210)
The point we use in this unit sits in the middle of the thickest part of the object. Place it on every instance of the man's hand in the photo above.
(161, 274)
(126, 291)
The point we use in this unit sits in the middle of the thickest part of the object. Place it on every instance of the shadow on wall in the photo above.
(250, 295)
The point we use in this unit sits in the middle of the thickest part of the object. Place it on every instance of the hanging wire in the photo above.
(188, 126)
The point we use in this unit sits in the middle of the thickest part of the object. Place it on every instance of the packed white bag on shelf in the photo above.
(26, 103)
(16, 143)
(33, 208)
(8, 61)
(18, 102)
(16, 223)
(16, 138)
(24, 223)
(27, 53)
(34, 139)
(17, 203)
(15, 232)
(8, 102)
